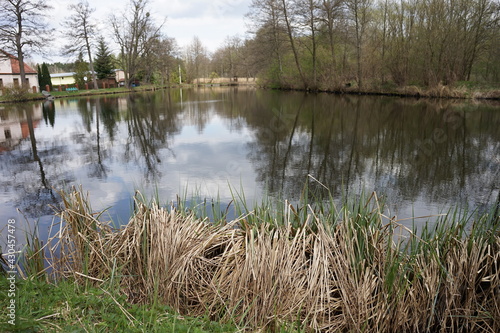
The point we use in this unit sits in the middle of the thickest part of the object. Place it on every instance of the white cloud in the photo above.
(211, 21)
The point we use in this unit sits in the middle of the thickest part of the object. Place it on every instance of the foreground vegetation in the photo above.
(71, 307)
(308, 267)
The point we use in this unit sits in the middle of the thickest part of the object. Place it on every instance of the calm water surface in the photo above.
(423, 156)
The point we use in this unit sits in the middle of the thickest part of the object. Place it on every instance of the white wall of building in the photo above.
(8, 79)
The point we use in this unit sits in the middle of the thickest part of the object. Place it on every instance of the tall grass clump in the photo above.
(15, 94)
(314, 266)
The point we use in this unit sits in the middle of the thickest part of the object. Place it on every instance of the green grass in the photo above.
(118, 90)
(71, 307)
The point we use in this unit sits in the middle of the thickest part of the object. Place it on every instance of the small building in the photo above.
(68, 79)
(10, 72)
(61, 79)
(120, 76)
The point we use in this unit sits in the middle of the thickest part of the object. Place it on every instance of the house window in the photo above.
(7, 133)
(1, 83)
(27, 82)
(16, 83)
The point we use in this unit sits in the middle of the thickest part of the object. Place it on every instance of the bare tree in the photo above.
(161, 60)
(270, 35)
(135, 32)
(167, 53)
(439, 42)
(22, 28)
(288, 21)
(196, 59)
(329, 12)
(232, 55)
(248, 67)
(359, 11)
(378, 42)
(81, 32)
(308, 16)
(480, 22)
(274, 22)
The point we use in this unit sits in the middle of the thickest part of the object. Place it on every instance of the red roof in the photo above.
(14, 63)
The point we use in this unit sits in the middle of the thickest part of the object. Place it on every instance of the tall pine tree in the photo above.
(47, 80)
(103, 63)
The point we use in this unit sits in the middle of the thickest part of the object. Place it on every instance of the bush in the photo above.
(16, 93)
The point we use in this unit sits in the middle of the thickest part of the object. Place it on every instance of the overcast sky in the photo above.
(211, 20)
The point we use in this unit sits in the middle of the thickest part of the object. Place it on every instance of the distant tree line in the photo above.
(326, 43)
(307, 44)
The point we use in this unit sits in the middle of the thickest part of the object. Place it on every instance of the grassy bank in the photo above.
(67, 306)
(19, 96)
(459, 90)
(311, 267)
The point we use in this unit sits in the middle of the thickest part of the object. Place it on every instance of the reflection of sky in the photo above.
(203, 160)
(208, 154)
(203, 163)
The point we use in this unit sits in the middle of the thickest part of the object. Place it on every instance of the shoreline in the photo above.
(439, 92)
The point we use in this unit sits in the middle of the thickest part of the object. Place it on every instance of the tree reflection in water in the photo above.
(150, 125)
(412, 151)
(445, 152)
(30, 172)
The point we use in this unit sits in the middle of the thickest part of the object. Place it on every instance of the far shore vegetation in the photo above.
(438, 49)
(277, 267)
(460, 90)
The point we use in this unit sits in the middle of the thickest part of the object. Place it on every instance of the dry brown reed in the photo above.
(343, 272)
(438, 91)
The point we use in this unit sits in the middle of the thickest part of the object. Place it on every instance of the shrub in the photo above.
(16, 93)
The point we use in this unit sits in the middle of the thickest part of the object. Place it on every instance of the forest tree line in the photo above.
(304, 44)
(326, 43)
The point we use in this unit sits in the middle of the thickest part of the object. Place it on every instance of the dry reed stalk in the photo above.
(348, 275)
(79, 240)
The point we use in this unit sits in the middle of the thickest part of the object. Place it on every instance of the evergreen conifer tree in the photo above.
(46, 76)
(103, 63)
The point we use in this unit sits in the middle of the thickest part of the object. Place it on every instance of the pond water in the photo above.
(422, 156)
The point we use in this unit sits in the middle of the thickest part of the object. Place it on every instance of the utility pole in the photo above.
(180, 75)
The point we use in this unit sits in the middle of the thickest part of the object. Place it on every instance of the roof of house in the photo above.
(62, 74)
(14, 64)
